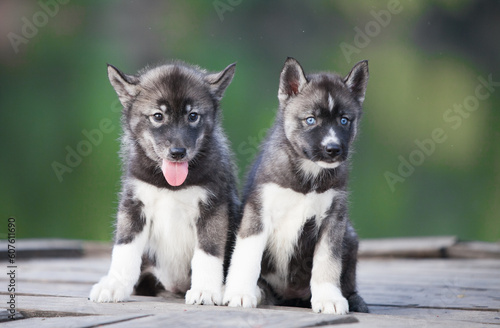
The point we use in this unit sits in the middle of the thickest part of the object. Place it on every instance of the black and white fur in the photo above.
(295, 233)
(182, 230)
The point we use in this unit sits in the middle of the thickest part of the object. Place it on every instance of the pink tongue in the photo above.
(174, 172)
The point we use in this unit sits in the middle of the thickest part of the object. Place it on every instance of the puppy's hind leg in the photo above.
(348, 277)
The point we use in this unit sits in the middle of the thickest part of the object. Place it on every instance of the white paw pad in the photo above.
(203, 297)
(327, 298)
(246, 300)
(110, 289)
(333, 306)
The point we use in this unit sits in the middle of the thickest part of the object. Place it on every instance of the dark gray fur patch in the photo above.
(267, 264)
(252, 224)
(131, 221)
(300, 265)
(209, 227)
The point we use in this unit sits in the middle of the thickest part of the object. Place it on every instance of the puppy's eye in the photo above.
(310, 120)
(158, 117)
(193, 117)
(344, 120)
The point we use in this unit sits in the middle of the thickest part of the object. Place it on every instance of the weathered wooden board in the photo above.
(406, 295)
(179, 312)
(53, 289)
(404, 292)
(480, 273)
(421, 247)
(410, 321)
(172, 315)
(38, 248)
(428, 247)
(442, 283)
(227, 317)
(408, 247)
(439, 297)
(477, 271)
(97, 249)
(239, 318)
(474, 250)
(484, 317)
(62, 270)
(72, 322)
(202, 320)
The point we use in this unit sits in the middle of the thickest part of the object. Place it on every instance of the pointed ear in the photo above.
(292, 79)
(124, 85)
(218, 82)
(357, 80)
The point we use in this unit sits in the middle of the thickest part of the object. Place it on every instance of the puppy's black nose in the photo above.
(178, 153)
(333, 149)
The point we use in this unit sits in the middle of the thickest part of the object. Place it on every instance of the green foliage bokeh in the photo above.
(427, 59)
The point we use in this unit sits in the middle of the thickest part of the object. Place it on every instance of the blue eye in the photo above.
(344, 121)
(310, 121)
(193, 117)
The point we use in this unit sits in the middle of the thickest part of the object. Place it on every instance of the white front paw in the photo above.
(333, 305)
(242, 299)
(203, 297)
(327, 298)
(110, 289)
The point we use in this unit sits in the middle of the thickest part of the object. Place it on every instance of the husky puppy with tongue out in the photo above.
(178, 203)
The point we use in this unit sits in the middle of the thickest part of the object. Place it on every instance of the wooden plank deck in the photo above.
(411, 282)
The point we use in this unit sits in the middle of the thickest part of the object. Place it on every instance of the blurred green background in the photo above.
(427, 59)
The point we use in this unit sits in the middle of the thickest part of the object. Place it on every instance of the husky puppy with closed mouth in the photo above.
(295, 233)
(179, 196)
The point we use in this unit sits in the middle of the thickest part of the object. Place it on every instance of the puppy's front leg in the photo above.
(206, 278)
(326, 295)
(207, 272)
(244, 271)
(125, 267)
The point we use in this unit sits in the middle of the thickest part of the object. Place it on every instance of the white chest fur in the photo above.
(171, 218)
(284, 213)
